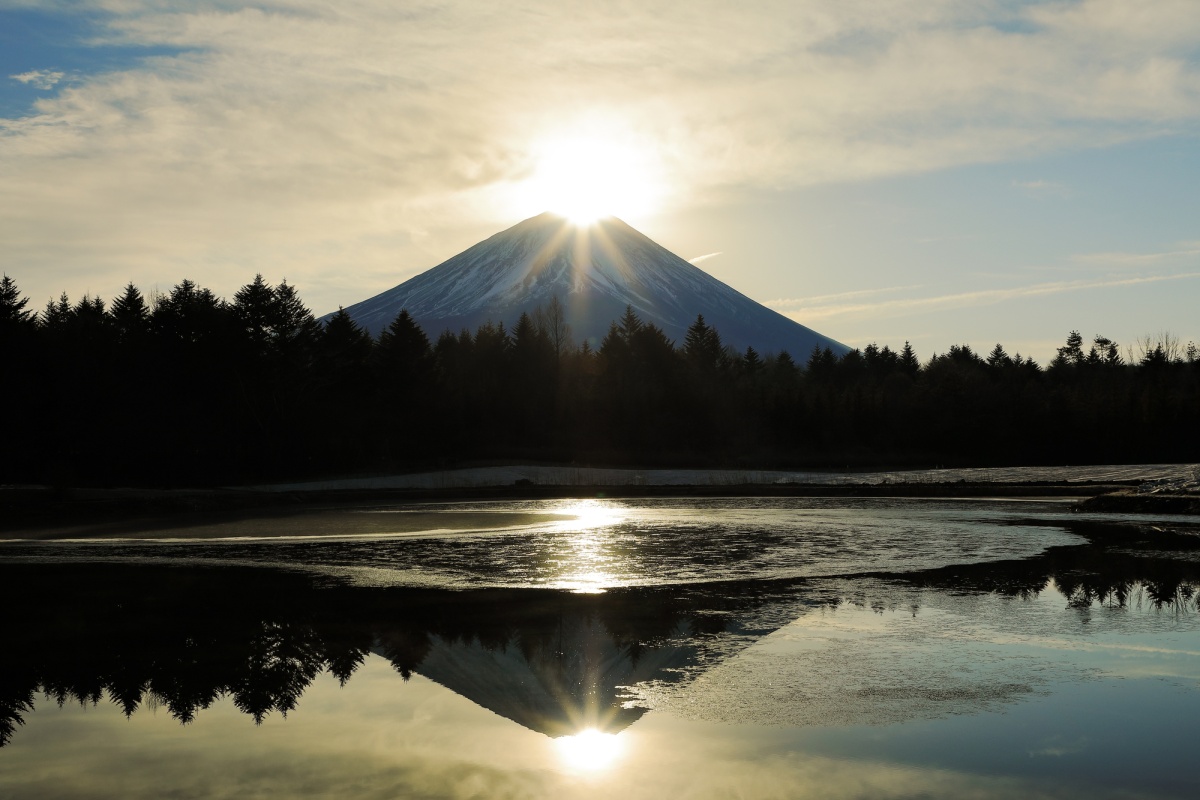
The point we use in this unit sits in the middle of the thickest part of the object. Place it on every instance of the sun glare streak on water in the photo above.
(589, 515)
(590, 750)
(585, 560)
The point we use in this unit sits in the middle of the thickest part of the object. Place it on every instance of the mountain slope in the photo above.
(595, 273)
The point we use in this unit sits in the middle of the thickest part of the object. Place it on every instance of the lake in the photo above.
(748, 648)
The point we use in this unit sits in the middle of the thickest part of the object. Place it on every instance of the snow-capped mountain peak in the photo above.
(595, 272)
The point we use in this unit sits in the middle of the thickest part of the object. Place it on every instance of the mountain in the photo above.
(595, 272)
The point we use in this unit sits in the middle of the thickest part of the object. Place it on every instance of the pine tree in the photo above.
(293, 326)
(702, 345)
(129, 314)
(629, 324)
(403, 350)
(998, 357)
(57, 315)
(12, 305)
(1070, 354)
(909, 364)
(254, 307)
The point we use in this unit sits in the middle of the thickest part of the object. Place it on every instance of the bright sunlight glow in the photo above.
(585, 177)
(590, 750)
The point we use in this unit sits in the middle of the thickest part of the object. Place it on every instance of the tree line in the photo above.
(190, 388)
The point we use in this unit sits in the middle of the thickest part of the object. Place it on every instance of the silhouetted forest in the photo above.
(189, 388)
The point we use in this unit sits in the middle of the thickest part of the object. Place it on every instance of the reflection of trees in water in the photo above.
(1126, 566)
(183, 638)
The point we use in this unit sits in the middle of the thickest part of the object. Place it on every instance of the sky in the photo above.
(924, 170)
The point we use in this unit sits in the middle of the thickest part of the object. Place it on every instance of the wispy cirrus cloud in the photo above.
(1190, 251)
(801, 302)
(910, 305)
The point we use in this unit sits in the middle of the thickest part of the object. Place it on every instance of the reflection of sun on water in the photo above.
(589, 515)
(590, 750)
(584, 563)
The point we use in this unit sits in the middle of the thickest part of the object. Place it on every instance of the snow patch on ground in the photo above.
(482, 477)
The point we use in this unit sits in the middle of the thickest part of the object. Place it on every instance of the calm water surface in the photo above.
(656, 648)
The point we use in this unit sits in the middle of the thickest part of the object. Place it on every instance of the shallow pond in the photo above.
(591, 648)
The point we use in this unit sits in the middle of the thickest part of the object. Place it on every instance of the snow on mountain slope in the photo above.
(595, 273)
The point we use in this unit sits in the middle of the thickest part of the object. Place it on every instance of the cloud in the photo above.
(1136, 259)
(39, 78)
(789, 302)
(902, 306)
(703, 258)
(365, 140)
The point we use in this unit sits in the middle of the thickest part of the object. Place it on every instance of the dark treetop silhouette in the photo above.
(193, 389)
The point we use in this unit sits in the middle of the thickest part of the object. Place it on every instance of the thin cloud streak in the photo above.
(787, 302)
(1133, 259)
(977, 298)
(701, 259)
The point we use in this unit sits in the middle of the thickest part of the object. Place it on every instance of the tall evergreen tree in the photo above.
(57, 314)
(702, 345)
(998, 357)
(292, 324)
(254, 307)
(12, 305)
(403, 350)
(909, 364)
(629, 324)
(129, 314)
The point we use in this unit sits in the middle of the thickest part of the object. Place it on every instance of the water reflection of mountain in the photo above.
(557, 687)
(182, 638)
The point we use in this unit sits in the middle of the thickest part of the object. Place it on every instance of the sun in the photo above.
(588, 176)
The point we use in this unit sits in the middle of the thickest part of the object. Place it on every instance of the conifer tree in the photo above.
(56, 315)
(998, 357)
(702, 345)
(629, 324)
(342, 338)
(129, 314)
(909, 364)
(292, 324)
(12, 305)
(403, 350)
(254, 307)
(1071, 354)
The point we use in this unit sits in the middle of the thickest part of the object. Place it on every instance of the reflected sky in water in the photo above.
(970, 649)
